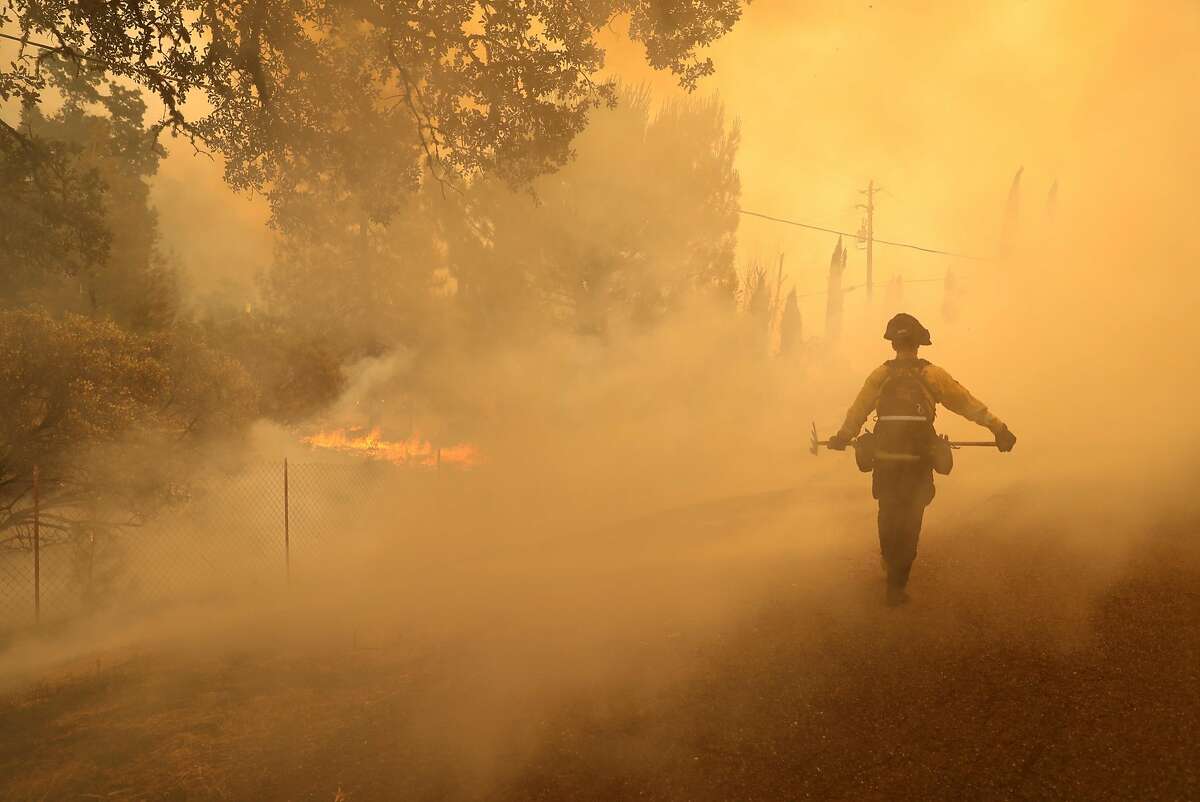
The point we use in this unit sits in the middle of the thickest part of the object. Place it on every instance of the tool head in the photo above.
(814, 443)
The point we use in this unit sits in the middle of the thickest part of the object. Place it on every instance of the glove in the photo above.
(1005, 440)
(838, 442)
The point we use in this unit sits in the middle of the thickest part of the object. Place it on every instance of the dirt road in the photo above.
(1008, 677)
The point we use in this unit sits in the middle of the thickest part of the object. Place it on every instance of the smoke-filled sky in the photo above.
(939, 102)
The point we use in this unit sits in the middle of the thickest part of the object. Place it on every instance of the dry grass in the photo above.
(1006, 678)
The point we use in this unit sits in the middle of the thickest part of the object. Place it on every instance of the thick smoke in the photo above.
(645, 493)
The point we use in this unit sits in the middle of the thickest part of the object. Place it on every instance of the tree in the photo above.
(835, 295)
(363, 287)
(461, 86)
(296, 369)
(54, 222)
(756, 297)
(104, 387)
(86, 237)
(790, 326)
(594, 242)
(642, 218)
(74, 387)
(1012, 216)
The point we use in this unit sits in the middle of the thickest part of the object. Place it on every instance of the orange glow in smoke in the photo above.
(414, 451)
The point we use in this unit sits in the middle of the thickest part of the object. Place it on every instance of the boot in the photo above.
(896, 595)
(897, 580)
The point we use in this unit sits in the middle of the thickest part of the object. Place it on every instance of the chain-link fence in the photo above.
(245, 531)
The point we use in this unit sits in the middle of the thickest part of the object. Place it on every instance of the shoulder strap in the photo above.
(924, 363)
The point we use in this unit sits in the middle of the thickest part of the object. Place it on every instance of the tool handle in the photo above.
(972, 443)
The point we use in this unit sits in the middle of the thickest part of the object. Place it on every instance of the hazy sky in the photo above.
(940, 102)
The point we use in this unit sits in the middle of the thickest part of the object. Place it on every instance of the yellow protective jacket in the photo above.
(941, 385)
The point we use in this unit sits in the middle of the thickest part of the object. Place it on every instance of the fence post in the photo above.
(287, 540)
(37, 546)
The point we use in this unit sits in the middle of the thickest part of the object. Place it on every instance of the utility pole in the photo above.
(870, 208)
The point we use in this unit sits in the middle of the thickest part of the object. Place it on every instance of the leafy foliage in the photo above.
(643, 217)
(104, 387)
(85, 237)
(339, 112)
(297, 371)
(73, 387)
(308, 87)
(53, 214)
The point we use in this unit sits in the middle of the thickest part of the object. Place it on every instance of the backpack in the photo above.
(904, 396)
(904, 416)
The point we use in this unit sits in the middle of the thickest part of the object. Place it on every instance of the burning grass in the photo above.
(413, 451)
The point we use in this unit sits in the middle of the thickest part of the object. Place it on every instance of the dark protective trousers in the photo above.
(904, 490)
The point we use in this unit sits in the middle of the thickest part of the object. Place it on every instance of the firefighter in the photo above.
(904, 447)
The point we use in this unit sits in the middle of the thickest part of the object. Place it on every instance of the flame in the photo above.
(415, 450)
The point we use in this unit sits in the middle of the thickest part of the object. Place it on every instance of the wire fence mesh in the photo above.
(17, 558)
(234, 533)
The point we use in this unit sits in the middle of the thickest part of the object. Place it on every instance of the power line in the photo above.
(855, 235)
(860, 286)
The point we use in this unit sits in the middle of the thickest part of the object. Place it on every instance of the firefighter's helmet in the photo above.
(908, 329)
